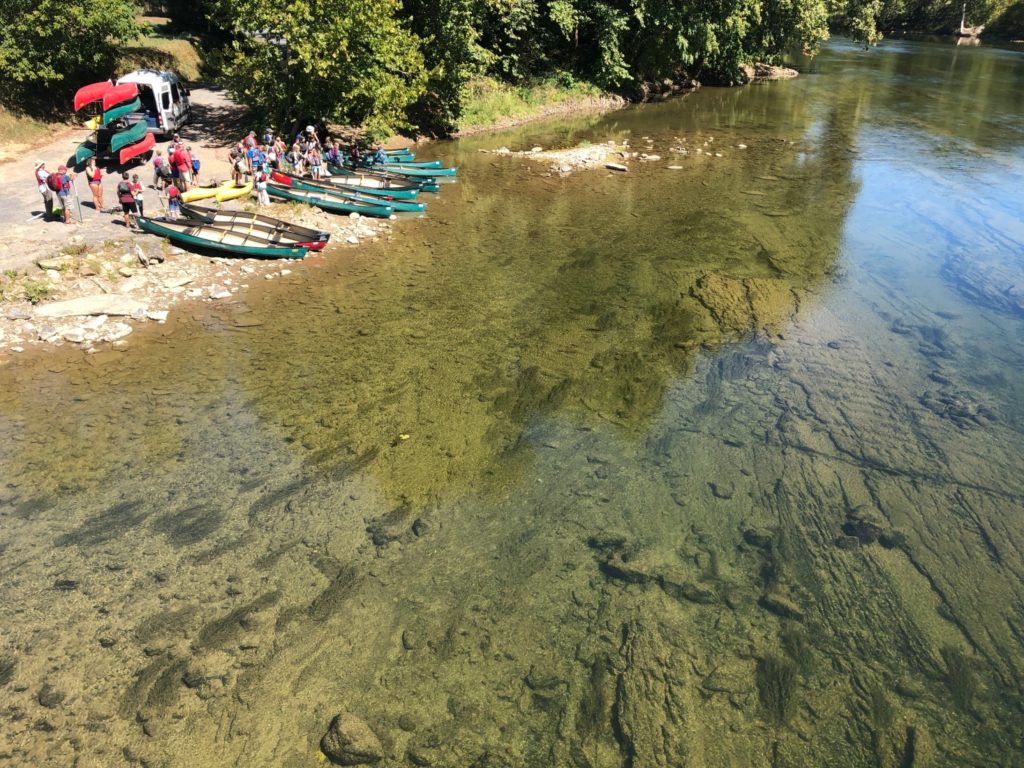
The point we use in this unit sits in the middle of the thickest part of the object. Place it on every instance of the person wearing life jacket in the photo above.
(95, 178)
(126, 198)
(173, 203)
(41, 176)
(62, 183)
(136, 188)
(262, 196)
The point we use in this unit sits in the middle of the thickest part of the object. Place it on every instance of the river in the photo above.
(713, 466)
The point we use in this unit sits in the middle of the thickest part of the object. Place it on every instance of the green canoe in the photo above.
(412, 163)
(329, 202)
(128, 136)
(426, 184)
(85, 150)
(430, 169)
(222, 241)
(350, 194)
(416, 170)
(370, 185)
(125, 109)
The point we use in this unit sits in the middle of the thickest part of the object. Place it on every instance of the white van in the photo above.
(165, 103)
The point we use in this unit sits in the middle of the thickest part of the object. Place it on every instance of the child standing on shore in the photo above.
(173, 203)
(136, 188)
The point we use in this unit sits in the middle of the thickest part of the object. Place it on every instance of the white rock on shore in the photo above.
(99, 304)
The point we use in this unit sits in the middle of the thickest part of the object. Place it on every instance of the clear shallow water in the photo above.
(718, 466)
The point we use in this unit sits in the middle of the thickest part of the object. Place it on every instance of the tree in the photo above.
(349, 61)
(453, 55)
(49, 48)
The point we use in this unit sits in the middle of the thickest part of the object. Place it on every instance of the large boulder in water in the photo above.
(349, 741)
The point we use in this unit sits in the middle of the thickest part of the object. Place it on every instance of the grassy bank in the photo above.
(488, 103)
(20, 134)
(157, 49)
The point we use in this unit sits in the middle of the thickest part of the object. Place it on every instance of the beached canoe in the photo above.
(129, 135)
(399, 189)
(372, 186)
(398, 160)
(229, 191)
(403, 206)
(415, 170)
(426, 184)
(222, 241)
(135, 105)
(119, 94)
(328, 202)
(87, 94)
(141, 147)
(314, 239)
(205, 191)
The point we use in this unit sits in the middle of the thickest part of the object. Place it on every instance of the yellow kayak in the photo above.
(94, 122)
(227, 192)
(201, 193)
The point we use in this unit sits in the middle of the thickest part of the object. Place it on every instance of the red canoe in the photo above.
(119, 94)
(87, 94)
(136, 149)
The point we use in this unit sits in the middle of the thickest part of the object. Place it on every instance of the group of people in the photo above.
(259, 157)
(61, 184)
(179, 169)
(173, 175)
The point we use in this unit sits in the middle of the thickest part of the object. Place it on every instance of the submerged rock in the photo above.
(782, 606)
(350, 741)
(960, 407)
(49, 696)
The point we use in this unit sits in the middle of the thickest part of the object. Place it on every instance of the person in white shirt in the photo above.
(44, 190)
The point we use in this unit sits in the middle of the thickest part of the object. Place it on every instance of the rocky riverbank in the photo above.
(616, 157)
(91, 293)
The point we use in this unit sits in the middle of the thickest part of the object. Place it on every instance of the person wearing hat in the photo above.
(44, 190)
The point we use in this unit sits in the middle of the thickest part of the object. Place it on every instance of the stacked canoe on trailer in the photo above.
(112, 133)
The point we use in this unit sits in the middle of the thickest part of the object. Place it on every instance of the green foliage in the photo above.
(49, 48)
(486, 101)
(36, 290)
(453, 56)
(348, 61)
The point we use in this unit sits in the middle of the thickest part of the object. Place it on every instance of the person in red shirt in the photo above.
(183, 162)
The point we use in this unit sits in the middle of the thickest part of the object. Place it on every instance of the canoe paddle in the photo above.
(78, 200)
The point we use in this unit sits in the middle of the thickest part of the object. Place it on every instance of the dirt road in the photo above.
(25, 237)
